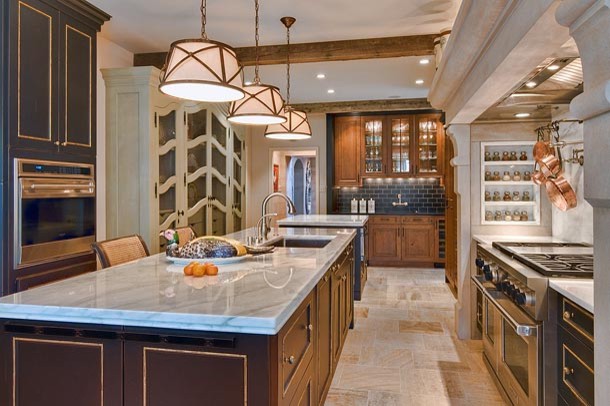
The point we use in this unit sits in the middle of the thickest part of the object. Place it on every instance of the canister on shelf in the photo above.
(506, 176)
(488, 176)
(497, 176)
(513, 155)
(507, 197)
(516, 196)
(523, 156)
(505, 156)
(498, 216)
(497, 197)
(524, 216)
(489, 216)
(527, 176)
(508, 216)
(516, 176)
(516, 215)
(487, 156)
(526, 196)
(487, 196)
(495, 156)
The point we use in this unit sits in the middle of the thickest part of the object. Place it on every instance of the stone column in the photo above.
(459, 134)
(589, 23)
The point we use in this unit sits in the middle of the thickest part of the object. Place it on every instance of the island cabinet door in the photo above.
(51, 369)
(296, 349)
(195, 370)
(338, 312)
(324, 356)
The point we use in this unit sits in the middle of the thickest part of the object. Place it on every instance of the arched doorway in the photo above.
(298, 186)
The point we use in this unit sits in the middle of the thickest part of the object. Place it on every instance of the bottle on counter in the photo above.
(362, 206)
(371, 206)
(354, 206)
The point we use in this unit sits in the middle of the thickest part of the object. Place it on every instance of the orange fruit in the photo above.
(199, 270)
(188, 270)
(211, 270)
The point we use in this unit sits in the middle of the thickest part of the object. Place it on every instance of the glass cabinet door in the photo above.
(237, 184)
(219, 178)
(166, 182)
(400, 145)
(428, 144)
(197, 171)
(373, 145)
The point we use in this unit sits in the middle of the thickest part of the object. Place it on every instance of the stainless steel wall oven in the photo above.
(55, 210)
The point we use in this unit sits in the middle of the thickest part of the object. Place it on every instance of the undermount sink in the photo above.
(299, 242)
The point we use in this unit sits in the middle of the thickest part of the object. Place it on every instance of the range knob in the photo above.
(487, 272)
(479, 263)
(525, 299)
(509, 288)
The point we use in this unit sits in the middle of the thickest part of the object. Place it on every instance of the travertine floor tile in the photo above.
(404, 351)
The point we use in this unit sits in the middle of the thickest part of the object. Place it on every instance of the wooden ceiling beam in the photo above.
(364, 106)
(345, 50)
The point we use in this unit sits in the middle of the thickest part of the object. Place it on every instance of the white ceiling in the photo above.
(369, 79)
(151, 25)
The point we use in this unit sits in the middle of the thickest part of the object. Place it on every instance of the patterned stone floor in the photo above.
(403, 350)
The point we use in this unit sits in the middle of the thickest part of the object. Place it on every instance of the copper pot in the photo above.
(538, 177)
(541, 150)
(560, 193)
(551, 165)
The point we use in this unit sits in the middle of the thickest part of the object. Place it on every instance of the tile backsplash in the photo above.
(425, 196)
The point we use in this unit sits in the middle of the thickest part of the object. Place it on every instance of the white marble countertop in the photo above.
(580, 291)
(255, 296)
(325, 220)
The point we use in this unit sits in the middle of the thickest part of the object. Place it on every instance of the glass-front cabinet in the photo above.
(374, 162)
(428, 144)
(400, 141)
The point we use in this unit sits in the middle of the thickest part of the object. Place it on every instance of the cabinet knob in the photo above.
(309, 327)
(57, 143)
(568, 371)
(567, 315)
(291, 360)
(63, 144)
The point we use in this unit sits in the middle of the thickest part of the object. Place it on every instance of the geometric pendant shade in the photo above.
(296, 126)
(202, 70)
(262, 105)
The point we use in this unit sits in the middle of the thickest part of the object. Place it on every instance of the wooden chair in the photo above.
(185, 234)
(120, 250)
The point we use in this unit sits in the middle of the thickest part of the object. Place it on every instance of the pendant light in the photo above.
(297, 125)
(201, 69)
(263, 104)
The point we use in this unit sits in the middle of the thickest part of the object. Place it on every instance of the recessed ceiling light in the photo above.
(321, 76)
(424, 61)
(522, 115)
(531, 84)
(330, 91)
(247, 83)
(553, 67)
(419, 82)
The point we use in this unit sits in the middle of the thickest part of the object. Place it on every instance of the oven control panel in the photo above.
(511, 287)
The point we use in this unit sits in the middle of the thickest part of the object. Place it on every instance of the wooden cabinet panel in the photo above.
(576, 373)
(324, 358)
(337, 314)
(418, 243)
(384, 242)
(347, 151)
(305, 394)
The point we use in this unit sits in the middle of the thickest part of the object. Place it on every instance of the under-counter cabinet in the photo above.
(387, 146)
(403, 240)
(189, 160)
(575, 345)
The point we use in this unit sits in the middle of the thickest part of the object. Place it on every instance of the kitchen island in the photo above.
(268, 330)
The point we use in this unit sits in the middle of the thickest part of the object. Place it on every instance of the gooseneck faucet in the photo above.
(291, 209)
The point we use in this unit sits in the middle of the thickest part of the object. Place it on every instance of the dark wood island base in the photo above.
(59, 364)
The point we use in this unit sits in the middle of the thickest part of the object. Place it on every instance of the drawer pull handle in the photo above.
(344, 277)
(325, 278)
(309, 327)
(567, 315)
(291, 360)
(568, 371)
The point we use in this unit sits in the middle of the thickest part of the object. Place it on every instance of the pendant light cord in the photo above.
(256, 77)
(204, 35)
(287, 66)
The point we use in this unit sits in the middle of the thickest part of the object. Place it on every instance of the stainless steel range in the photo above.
(513, 311)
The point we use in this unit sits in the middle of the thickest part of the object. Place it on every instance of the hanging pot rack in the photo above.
(551, 132)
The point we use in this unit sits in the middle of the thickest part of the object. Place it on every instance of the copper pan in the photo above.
(551, 165)
(560, 193)
(542, 149)
(538, 177)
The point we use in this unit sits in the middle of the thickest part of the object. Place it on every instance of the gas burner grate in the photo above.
(559, 264)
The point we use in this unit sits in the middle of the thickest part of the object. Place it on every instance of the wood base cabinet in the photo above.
(60, 364)
(403, 240)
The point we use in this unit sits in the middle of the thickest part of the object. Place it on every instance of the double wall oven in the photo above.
(55, 210)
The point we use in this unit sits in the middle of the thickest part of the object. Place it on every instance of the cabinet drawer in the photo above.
(417, 220)
(296, 340)
(384, 219)
(576, 320)
(576, 373)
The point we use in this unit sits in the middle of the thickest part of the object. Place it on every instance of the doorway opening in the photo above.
(295, 173)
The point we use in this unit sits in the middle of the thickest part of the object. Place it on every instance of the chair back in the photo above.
(120, 250)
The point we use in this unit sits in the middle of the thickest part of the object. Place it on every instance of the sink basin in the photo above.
(295, 242)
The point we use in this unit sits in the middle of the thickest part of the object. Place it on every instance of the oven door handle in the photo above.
(524, 330)
(43, 186)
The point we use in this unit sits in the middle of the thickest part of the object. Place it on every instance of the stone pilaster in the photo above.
(589, 23)
(459, 134)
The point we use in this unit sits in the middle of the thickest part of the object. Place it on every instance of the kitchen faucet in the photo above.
(400, 202)
(291, 210)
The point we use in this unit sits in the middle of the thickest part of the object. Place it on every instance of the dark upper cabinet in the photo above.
(52, 49)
